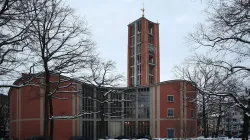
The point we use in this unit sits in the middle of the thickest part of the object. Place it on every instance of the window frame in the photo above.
(168, 112)
(173, 132)
(170, 96)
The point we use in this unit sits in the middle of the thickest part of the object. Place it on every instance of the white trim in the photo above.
(170, 96)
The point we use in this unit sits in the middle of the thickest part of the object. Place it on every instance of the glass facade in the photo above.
(88, 129)
(130, 117)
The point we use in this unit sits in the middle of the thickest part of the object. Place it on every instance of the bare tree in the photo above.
(207, 79)
(61, 44)
(226, 33)
(13, 35)
(103, 76)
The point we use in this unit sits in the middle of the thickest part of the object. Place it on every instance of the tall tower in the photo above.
(143, 53)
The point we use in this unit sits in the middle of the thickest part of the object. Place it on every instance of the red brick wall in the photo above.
(174, 88)
(30, 119)
(144, 52)
(171, 88)
(157, 53)
(166, 124)
(29, 128)
(30, 102)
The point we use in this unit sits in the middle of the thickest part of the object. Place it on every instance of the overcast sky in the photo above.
(108, 20)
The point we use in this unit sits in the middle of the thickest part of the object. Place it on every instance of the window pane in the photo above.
(192, 113)
(170, 98)
(170, 112)
(170, 133)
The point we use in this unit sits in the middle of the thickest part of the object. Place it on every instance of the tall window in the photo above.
(170, 112)
(170, 98)
(151, 79)
(138, 39)
(132, 41)
(132, 50)
(138, 49)
(132, 30)
(132, 61)
(151, 70)
(170, 133)
(150, 39)
(192, 113)
(150, 28)
(132, 81)
(139, 27)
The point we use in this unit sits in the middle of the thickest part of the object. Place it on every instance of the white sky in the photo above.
(108, 20)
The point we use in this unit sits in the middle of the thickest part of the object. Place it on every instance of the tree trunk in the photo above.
(51, 121)
(245, 127)
(46, 115)
(46, 102)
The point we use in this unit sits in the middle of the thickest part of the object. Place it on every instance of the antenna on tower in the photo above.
(143, 9)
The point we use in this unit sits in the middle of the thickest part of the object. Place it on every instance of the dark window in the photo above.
(87, 104)
(139, 27)
(150, 28)
(132, 81)
(150, 39)
(170, 98)
(132, 30)
(192, 113)
(132, 50)
(138, 59)
(132, 61)
(151, 59)
(138, 39)
(138, 68)
(132, 41)
(138, 49)
(98, 128)
(170, 112)
(143, 127)
(170, 133)
(151, 70)
(138, 80)
(87, 129)
(192, 130)
(151, 79)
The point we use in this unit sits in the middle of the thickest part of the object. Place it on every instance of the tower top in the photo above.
(143, 9)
